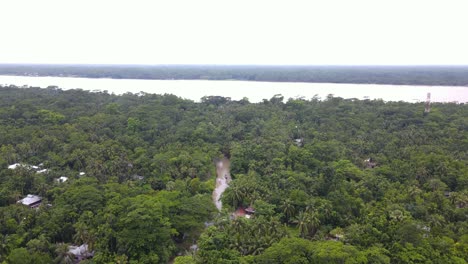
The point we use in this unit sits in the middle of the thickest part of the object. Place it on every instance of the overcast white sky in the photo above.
(234, 32)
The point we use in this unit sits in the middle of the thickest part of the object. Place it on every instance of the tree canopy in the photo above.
(331, 181)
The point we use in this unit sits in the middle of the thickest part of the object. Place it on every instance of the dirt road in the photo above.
(223, 177)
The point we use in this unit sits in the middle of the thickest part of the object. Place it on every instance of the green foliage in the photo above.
(23, 256)
(184, 260)
(288, 250)
(146, 195)
(50, 117)
(296, 250)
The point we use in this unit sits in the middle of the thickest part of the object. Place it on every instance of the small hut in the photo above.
(240, 212)
(250, 210)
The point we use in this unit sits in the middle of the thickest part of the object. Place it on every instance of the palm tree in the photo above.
(83, 235)
(238, 225)
(288, 209)
(436, 185)
(414, 191)
(234, 195)
(326, 211)
(302, 224)
(314, 223)
(64, 256)
(308, 223)
(397, 215)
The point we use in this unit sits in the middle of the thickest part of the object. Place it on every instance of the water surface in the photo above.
(254, 91)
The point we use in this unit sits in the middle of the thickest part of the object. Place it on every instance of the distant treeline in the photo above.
(411, 75)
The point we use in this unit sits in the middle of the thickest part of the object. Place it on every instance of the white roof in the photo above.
(42, 171)
(30, 199)
(78, 250)
(14, 166)
(82, 173)
(27, 166)
(62, 179)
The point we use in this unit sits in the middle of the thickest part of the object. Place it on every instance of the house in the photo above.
(31, 200)
(336, 234)
(62, 179)
(370, 163)
(80, 252)
(240, 212)
(249, 211)
(15, 166)
(243, 212)
(27, 166)
(299, 142)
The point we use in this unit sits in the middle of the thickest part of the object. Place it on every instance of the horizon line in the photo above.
(234, 64)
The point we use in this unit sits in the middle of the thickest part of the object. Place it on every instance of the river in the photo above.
(254, 91)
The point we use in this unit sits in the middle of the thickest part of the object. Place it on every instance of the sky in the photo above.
(328, 32)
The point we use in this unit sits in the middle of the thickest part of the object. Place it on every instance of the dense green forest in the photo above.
(411, 75)
(331, 180)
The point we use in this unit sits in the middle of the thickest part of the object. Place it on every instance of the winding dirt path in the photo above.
(223, 177)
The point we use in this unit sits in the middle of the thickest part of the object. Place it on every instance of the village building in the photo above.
(33, 201)
(43, 171)
(62, 179)
(80, 252)
(240, 212)
(249, 211)
(244, 212)
(299, 142)
(17, 165)
(27, 166)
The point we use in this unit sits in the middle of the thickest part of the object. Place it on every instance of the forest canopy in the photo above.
(331, 181)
